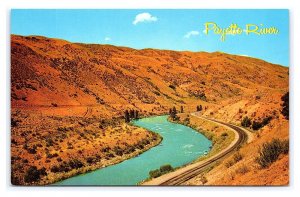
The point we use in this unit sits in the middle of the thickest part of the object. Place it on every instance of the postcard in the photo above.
(116, 97)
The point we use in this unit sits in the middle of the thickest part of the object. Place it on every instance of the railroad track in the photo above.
(187, 175)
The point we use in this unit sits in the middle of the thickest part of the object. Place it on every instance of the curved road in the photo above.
(186, 173)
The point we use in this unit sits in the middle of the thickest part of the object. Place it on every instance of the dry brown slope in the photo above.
(46, 71)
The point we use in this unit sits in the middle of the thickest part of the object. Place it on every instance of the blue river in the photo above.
(180, 145)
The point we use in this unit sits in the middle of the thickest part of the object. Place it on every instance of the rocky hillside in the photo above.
(52, 72)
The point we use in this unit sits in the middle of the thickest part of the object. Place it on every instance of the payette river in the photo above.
(180, 145)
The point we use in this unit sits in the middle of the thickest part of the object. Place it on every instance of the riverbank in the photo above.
(180, 146)
(61, 176)
(46, 149)
(220, 135)
(202, 164)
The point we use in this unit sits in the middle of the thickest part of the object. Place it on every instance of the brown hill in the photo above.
(48, 71)
(67, 101)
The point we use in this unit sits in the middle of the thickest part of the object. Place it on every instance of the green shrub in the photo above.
(164, 169)
(13, 122)
(229, 163)
(90, 160)
(33, 174)
(172, 86)
(242, 170)
(285, 146)
(224, 135)
(75, 164)
(199, 108)
(246, 122)
(32, 150)
(155, 173)
(173, 114)
(258, 125)
(157, 93)
(186, 121)
(266, 120)
(49, 142)
(270, 151)
(202, 96)
(203, 180)
(118, 151)
(237, 157)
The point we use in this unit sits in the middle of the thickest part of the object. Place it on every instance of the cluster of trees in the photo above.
(131, 114)
(162, 170)
(173, 113)
(256, 125)
(67, 166)
(199, 108)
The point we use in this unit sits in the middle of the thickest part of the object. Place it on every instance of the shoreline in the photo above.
(52, 178)
(198, 162)
(87, 169)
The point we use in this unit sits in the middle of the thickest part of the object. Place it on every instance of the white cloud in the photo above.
(191, 33)
(144, 17)
(107, 38)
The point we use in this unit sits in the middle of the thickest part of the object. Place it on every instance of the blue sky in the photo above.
(161, 29)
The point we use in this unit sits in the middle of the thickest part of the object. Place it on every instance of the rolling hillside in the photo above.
(64, 94)
(48, 72)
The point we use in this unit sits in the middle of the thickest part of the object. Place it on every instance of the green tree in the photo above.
(155, 173)
(174, 110)
(136, 114)
(165, 168)
(162, 170)
(131, 113)
(173, 113)
(246, 122)
(127, 116)
(170, 111)
(256, 125)
(199, 107)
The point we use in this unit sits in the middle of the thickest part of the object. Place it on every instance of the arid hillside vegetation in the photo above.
(68, 99)
(52, 72)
